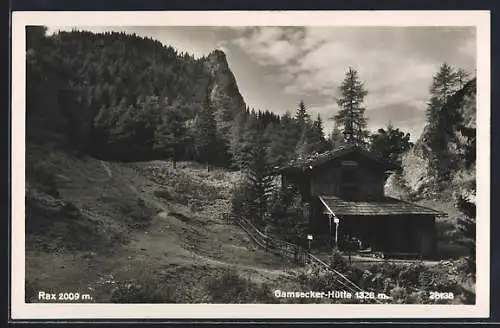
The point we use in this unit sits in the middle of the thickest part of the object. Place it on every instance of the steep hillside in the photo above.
(97, 227)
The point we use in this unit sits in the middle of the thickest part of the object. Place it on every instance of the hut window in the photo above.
(349, 163)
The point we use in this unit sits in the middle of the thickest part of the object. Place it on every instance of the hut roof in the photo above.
(379, 207)
(318, 159)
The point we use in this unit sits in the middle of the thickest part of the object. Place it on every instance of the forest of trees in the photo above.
(127, 97)
(133, 98)
(124, 97)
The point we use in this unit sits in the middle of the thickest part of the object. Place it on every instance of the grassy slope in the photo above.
(183, 242)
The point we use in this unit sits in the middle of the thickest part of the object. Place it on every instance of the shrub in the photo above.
(338, 262)
(230, 287)
(466, 265)
(410, 274)
(146, 285)
(70, 210)
(163, 193)
(399, 295)
(139, 214)
(323, 282)
(148, 291)
(418, 297)
(220, 175)
(288, 215)
(197, 189)
(405, 283)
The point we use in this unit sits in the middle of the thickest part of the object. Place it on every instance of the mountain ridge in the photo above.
(94, 80)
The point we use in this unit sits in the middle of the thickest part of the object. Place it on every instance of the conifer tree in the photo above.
(236, 137)
(171, 135)
(351, 117)
(462, 77)
(444, 84)
(302, 116)
(259, 182)
(276, 152)
(304, 130)
(145, 122)
(336, 138)
(205, 135)
(439, 119)
(273, 141)
(303, 148)
(248, 137)
(288, 215)
(317, 137)
(123, 129)
(290, 138)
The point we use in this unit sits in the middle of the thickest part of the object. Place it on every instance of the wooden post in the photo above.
(330, 236)
(336, 235)
(336, 220)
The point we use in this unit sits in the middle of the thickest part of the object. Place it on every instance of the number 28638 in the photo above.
(440, 296)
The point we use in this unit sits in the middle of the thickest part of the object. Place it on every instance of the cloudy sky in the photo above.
(276, 67)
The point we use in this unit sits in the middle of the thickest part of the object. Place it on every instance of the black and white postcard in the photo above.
(250, 164)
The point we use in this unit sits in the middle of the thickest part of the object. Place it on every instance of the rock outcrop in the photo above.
(415, 179)
(224, 94)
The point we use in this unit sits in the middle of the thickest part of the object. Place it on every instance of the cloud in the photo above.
(270, 45)
(400, 112)
(395, 64)
(314, 59)
(469, 47)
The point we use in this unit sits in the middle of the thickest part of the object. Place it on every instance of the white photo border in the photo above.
(22, 310)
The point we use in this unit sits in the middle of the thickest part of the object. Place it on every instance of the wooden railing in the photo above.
(299, 254)
(273, 245)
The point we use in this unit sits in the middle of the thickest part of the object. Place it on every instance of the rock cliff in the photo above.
(415, 180)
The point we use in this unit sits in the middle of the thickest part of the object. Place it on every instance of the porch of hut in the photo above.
(383, 227)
